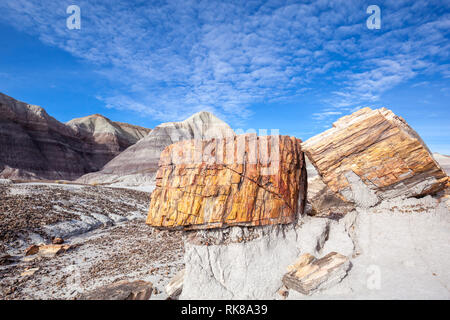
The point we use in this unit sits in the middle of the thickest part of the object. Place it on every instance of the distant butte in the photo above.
(35, 145)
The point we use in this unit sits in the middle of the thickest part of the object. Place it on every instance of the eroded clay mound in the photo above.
(137, 165)
(34, 145)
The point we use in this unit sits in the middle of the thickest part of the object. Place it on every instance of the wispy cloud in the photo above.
(169, 59)
(325, 114)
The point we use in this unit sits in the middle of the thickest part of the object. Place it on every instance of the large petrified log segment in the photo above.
(309, 274)
(373, 155)
(244, 180)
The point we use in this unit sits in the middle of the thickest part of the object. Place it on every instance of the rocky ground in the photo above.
(106, 229)
(32, 211)
(399, 249)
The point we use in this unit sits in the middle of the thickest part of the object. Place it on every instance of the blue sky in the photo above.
(295, 66)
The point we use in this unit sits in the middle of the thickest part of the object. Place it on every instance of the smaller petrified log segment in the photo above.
(324, 202)
(244, 180)
(309, 274)
(47, 249)
(175, 285)
(373, 155)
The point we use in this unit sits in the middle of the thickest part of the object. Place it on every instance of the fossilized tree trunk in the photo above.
(244, 180)
(373, 155)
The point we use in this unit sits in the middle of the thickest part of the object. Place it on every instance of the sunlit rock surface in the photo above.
(373, 155)
(246, 180)
(34, 145)
(309, 274)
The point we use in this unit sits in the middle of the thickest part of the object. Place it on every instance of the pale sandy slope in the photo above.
(137, 165)
(405, 244)
(444, 161)
(103, 130)
(402, 251)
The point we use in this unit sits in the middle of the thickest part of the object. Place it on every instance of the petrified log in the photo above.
(57, 240)
(373, 155)
(33, 249)
(29, 272)
(121, 290)
(324, 202)
(49, 250)
(309, 274)
(244, 180)
(7, 259)
(175, 285)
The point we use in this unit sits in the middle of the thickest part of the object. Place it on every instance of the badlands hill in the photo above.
(35, 145)
(101, 130)
(107, 138)
(137, 165)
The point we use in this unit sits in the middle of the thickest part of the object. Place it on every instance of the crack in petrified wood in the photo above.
(204, 195)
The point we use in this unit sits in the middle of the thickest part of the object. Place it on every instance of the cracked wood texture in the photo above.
(309, 274)
(244, 180)
(372, 155)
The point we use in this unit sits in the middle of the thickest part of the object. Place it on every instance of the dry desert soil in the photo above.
(107, 233)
